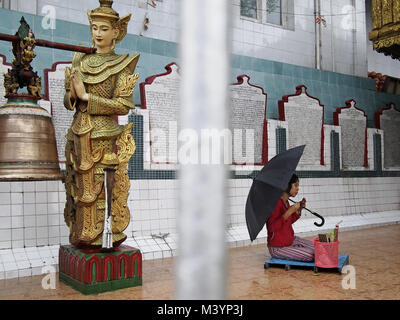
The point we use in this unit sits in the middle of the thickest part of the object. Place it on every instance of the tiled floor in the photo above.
(374, 253)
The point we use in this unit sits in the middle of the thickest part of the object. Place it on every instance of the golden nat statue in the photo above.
(99, 86)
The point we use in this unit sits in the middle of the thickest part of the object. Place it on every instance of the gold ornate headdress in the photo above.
(105, 12)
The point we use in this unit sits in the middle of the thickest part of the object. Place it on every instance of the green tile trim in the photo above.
(280, 140)
(335, 158)
(99, 287)
(377, 153)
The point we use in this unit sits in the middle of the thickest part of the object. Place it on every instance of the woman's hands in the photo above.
(302, 204)
(296, 207)
(77, 87)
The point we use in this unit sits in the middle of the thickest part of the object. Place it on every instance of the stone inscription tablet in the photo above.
(390, 124)
(304, 115)
(61, 117)
(247, 114)
(353, 123)
(160, 95)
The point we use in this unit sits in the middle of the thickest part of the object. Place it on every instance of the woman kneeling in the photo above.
(282, 244)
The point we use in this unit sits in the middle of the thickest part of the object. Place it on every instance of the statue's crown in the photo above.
(105, 11)
(106, 3)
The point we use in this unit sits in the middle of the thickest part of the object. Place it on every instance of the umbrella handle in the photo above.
(321, 217)
(315, 214)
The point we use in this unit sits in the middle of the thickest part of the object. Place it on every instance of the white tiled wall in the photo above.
(31, 213)
(153, 207)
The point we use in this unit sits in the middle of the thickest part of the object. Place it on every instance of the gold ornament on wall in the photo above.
(385, 33)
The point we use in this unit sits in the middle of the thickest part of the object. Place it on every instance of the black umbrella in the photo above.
(268, 187)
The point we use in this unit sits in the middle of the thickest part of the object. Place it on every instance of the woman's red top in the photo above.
(280, 231)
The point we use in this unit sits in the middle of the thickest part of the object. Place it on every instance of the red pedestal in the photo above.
(93, 271)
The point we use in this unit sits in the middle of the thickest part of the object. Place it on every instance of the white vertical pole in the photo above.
(332, 39)
(317, 13)
(201, 262)
(354, 35)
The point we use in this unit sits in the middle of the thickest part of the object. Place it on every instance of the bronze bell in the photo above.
(28, 148)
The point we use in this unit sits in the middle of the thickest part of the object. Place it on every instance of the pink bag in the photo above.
(326, 254)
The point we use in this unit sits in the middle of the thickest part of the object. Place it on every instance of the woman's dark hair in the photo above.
(293, 179)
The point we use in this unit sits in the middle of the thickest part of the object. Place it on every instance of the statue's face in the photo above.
(103, 34)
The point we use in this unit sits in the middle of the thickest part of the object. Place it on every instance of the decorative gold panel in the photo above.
(385, 33)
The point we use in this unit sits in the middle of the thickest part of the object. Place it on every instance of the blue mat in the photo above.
(343, 260)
